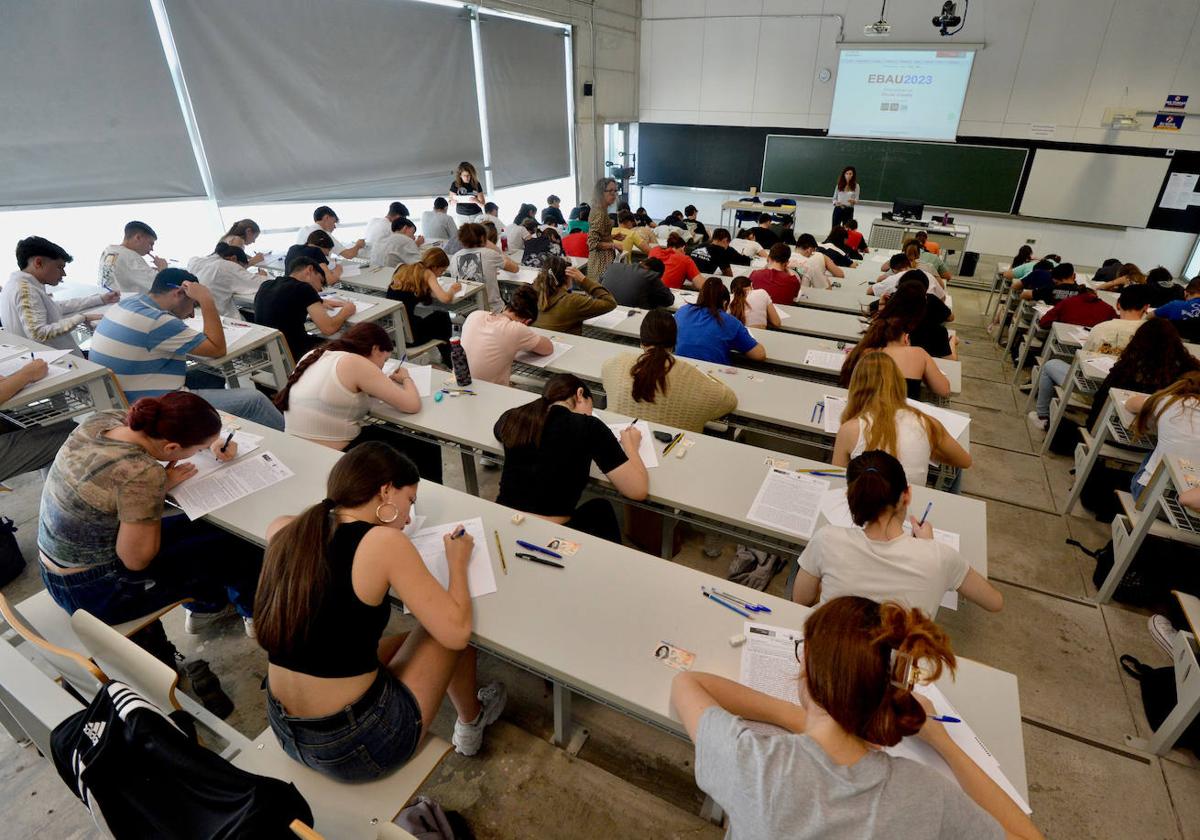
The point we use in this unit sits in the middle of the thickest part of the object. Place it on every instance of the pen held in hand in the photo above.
(225, 445)
(928, 508)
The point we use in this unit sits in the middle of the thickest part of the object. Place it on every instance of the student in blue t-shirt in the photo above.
(709, 333)
(1184, 313)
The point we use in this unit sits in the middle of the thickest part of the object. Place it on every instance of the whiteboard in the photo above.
(1098, 188)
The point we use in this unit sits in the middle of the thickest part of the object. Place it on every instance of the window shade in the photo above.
(90, 111)
(324, 100)
(525, 79)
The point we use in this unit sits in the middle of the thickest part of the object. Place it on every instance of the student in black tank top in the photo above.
(343, 699)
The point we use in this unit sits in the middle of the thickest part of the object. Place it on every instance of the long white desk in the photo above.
(608, 610)
(375, 281)
(86, 386)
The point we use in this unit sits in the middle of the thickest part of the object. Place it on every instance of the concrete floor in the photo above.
(1076, 702)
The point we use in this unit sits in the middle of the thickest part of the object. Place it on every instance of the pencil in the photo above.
(671, 445)
(500, 548)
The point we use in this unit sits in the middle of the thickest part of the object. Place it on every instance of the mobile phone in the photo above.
(664, 437)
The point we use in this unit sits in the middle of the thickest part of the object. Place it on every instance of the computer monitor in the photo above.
(907, 208)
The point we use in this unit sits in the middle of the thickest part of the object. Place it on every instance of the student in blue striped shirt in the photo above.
(144, 341)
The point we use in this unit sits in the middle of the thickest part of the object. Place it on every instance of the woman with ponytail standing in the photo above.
(343, 698)
(550, 445)
(753, 307)
(658, 387)
(877, 558)
(827, 778)
(104, 544)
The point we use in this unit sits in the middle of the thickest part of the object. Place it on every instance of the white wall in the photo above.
(1057, 62)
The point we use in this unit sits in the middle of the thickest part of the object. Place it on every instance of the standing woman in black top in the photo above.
(417, 283)
(549, 447)
(466, 193)
(342, 698)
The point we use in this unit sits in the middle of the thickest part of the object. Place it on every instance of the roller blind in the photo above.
(525, 79)
(90, 111)
(326, 100)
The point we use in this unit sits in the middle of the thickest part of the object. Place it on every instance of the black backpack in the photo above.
(12, 563)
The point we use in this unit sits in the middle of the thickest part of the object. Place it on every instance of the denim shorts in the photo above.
(370, 738)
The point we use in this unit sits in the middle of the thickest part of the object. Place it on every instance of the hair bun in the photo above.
(144, 414)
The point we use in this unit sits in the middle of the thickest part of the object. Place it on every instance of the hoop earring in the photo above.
(395, 512)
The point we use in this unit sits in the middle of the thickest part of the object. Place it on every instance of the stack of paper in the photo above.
(645, 446)
(228, 483)
(788, 501)
(527, 358)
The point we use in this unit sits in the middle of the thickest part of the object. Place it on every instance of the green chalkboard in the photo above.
(949, 175)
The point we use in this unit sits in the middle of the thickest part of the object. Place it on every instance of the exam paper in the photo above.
(7, 351)
(1078, 334)
(231, 482)
(350, 269)
(235, 331)
(610, 319)
(1101, 365)
(955, 423)
(527, 358)
(827, 359)
(422, 375)
(645, 446)
(788, 501)
(13, 364)
(50, 356)
(360, 306)
(206, 462)
(481, 577)
(834, 406)
(769, 660)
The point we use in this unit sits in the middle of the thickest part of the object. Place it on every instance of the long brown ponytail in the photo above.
(1185, 388)
(360, 339)
(739, 290)
(295, 570)
(650, 370)
(522, 426)
(879, 333)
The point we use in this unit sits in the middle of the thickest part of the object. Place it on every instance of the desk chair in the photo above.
(740, 216)
(414, 350)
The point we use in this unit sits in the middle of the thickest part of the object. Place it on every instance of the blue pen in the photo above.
(742, 601)
(461, 530)
(724, 604)
(928, 508)
(538, 548)
(944, 719)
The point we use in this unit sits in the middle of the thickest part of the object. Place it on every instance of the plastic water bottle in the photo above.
(458, 360)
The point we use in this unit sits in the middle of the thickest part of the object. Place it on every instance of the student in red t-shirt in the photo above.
(777, 279)
(853, 238)
(575, 244)
(677, 266)
(1085, 309)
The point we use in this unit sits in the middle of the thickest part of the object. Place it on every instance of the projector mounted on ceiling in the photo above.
(881, 27)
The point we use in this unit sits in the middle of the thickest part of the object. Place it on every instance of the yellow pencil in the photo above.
(500, 548)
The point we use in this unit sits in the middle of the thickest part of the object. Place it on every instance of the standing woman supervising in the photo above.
(845, 196)
(601, 249)
(466, 193)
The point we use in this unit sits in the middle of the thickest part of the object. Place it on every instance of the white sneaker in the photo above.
(1042, 423)
(195, 622)
(248, 623)
(1162, 631)
(468, 737)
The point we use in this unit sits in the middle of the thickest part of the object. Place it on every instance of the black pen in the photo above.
(534, 559)
(225, 445)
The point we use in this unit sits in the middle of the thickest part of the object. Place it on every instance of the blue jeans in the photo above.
(247, 403)
(370, 738)
(1054, 373)
(1135, 487)
(196, 560)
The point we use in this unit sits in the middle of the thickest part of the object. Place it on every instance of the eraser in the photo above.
(518, 518)
(680, 451)
(737, 641)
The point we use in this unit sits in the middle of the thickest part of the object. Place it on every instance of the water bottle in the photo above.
(458, 360)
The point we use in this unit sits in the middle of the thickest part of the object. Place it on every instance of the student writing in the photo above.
(436, 224)
(318, 245)
(417, 284)
(753, 307)
(639, 284)
(123, 267)
(343, 698)
(225, 272)
(380, 227)
(853, 649)
(677, 265)
(492, 340)
(242, 234)
(400, 247)
(1173, 415)
(709, 333)
(481, 261)
(778, 280)
(916, 366)
(551, 213)
(716, 256)
(288, 302)
(325, 219)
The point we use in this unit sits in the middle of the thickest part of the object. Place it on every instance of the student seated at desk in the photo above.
(691, 221)
(1107, 270)
(638, 284)
(678, 267)
(325, 219)
(917, 367)
(753, 307)
(924, 314)
(579, 218)
(1173, 415)
(854, 237)
(927, 260)
(763, 234)
(343, 698)
(630, 238)
(225, 272)
(1127, 274)
(26, 308)
(551, 213)
(785, 228)
(27, 448)
(317, 246)
(523, 226)
(898, 266)
(778, 280)
(716, 256)
(643, 218)
(399, 247)
(491, 341)
(380, 227)
(1084, 309)
(1162, 287)
(242, 234)
(1184, 314)
(816, 268)
(674, 219)
(481, 261)
(1063, 284)
(545, 244)
(105, 546)
(559, 308)
(491, 213)
(436, 224)
(745, 243)
(575, 244)
(1020, 270)
(417, 284)
(929, 246)
(853, 649)
(709, 333)
(876, 557)
(123, 267)
(549, 447)
(289, 301)
(836, 249)
(878, 416)
(1111, 336)
(660, 388)
(145, 343)
(327, 396)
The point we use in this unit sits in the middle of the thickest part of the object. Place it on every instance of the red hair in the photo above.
(177, 417)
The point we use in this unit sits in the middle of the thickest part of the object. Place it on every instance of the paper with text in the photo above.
(954, 422)
(788, 501)
(834, 408)
(481, 577)
(609, 320)
(206, 462)
(13, 364)
(527, 358)
(231, 482)
(825, 359)
(422, 375)
(645, 446)
(350, 269)
(769, 660)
